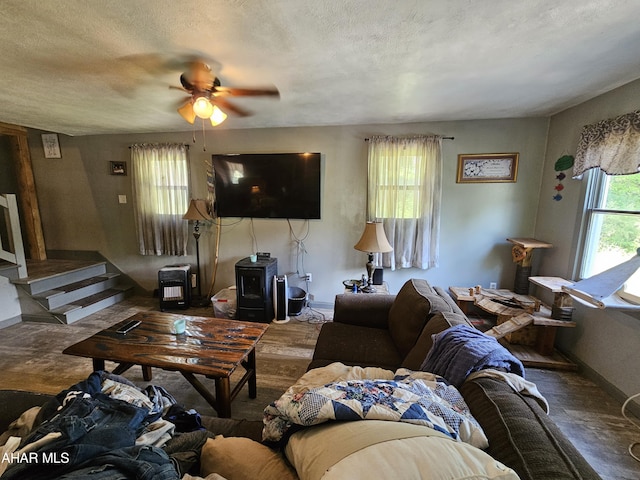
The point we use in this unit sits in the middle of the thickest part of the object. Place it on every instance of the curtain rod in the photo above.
(186, 145)
(444, 138)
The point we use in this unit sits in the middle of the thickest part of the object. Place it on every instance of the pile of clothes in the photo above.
(104, 427)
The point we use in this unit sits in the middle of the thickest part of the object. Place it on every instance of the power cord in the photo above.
(634, 444)
(312, 316)
(254, 239)
(301, 250)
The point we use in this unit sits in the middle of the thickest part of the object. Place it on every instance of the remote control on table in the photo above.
(128, 326)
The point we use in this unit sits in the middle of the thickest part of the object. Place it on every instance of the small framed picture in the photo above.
(51, 145)
(118, 168)
(487, 168)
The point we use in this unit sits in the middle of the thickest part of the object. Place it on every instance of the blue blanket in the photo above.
(461, 350)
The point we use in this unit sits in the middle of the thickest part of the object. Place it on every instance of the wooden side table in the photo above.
(382, 289)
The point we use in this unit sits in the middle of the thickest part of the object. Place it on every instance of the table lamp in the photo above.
(373, 240)
(198, 213)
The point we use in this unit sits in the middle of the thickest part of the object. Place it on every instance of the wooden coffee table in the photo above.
(212, 347)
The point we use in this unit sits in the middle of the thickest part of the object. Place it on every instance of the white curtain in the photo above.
(404, 193)
(160, 177)
(612, 145)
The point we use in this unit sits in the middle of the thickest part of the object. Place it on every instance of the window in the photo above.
(404, 193)
(160, 176)
(612, 233)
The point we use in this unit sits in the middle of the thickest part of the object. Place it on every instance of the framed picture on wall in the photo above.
(118, 168)
(487, 167)
(51, 145)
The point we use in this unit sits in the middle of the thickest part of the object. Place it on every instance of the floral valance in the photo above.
(612, 145)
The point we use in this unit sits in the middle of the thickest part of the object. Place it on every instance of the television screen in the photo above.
(267, 185)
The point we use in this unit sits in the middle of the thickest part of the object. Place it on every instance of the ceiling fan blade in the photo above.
(246, 92)
(186, 111)
(230, 107)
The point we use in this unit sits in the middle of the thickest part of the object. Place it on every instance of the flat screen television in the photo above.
(267, 185)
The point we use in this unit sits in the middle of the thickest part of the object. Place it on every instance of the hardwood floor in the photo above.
(31, 359)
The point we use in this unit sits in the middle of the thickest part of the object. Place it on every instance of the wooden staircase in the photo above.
(65, 291)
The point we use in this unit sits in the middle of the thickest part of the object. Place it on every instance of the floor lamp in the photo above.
(373, 240)
(198, 213)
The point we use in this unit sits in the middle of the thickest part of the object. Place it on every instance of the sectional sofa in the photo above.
(403, 357)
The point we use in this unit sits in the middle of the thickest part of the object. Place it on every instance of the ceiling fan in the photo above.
(208, 98)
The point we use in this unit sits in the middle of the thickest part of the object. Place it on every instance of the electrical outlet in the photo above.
(307, 277)
(493, 285)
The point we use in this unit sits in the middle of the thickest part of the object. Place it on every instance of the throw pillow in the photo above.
(238, 458)
(438, 323)
(408, 314)
(378, 449)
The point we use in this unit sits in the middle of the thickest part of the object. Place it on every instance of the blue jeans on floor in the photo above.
(90, 426)
(141, 462)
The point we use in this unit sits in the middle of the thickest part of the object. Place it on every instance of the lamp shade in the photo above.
(202, 107)
(373, 239)
(217, 117)
(197, 211)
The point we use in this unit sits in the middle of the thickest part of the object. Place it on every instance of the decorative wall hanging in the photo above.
(50, 145)
(563, 163)
(487, 168)
(118, 168)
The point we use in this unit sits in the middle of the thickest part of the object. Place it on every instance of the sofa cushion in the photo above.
(355, 345)
(242, 459)
(436, 324)
(382, 449)
(452, 306)
(415, 303)
(522, 435)
(409, 313)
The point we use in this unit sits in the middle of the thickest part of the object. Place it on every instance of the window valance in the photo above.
(612, 145)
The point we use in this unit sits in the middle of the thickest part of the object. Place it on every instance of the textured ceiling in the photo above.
(83, 67)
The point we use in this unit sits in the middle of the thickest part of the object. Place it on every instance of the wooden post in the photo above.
(27, 196)
(522, 253)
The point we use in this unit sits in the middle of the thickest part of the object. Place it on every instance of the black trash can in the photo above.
(297, 297)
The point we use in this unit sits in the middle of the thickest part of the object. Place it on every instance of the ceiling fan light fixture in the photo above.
(186, 112)
(202, 107)
(218, 116)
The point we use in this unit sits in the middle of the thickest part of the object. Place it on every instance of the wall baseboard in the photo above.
(595, 377)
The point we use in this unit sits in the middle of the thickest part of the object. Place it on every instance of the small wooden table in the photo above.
(212, 347)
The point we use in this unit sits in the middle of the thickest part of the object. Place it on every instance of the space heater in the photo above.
(174, 287)
(280, 299)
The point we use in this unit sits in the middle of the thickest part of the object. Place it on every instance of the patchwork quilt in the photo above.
(415, 397)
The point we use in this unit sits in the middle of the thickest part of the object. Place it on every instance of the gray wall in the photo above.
(80, 209)
(608, 341)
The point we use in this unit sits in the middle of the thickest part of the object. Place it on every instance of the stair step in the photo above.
(83, 307)
(73, 292)
(37, 283)
(65, 290)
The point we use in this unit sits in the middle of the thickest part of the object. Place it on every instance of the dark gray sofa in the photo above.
(395, 331)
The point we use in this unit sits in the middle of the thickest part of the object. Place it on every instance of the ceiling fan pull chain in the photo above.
(204, 138)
